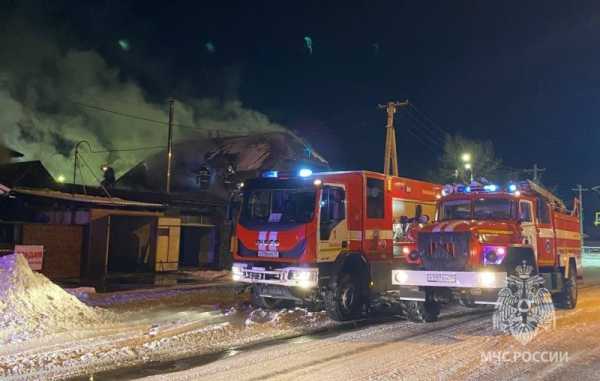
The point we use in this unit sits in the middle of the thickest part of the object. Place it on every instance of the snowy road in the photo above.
(208, 334)
(449, 349)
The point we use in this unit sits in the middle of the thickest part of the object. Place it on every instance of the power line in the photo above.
(421, 132)
(131, 116)
(128, 149)
(425, 143)
(432, 135)
(434, 124)
(142, 118)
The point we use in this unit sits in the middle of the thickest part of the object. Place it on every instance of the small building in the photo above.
(133, 225)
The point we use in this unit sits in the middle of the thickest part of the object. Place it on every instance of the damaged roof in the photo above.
(226, 159)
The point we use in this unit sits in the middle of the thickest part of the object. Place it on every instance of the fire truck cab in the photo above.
(481, 233)
(326, 239)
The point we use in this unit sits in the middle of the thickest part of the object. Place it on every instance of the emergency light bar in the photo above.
(478, 187)
(303, 172)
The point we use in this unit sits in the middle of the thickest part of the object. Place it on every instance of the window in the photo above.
(543, 213)
(493, 209)
(483, 209)
(375, 198)
(525, 211)
(333, 210)
(455, 210)
(278, 206)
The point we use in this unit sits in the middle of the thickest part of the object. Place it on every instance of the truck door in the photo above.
(333, 225)
(527, 224)
(545, 233)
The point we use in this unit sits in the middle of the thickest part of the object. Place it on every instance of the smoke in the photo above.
(51, 98)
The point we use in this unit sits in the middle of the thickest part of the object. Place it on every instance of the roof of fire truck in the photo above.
(527, 188)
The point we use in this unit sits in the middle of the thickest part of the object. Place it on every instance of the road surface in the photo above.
(209, 334)
(454, 348)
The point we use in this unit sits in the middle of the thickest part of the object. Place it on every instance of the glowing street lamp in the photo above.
(466, 157)
(468, 166)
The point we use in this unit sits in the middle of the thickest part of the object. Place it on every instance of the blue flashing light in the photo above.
(512, 188)
(468, 189)
(490, 188)
(305, 172)
(270, 174)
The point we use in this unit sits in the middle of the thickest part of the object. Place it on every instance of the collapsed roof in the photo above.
(214, 164)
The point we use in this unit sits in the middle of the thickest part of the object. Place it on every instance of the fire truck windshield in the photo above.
(478, 209)
(273, 206)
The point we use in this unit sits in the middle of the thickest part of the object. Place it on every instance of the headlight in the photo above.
(304, 278)
(301, 275)
(237, 271)
(487, 279)
(400, 276)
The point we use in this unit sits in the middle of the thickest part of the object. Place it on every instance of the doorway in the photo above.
(198, 247)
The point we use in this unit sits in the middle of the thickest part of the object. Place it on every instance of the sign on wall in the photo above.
(34, 255)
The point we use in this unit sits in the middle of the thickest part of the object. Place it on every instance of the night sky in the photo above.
(525, 74)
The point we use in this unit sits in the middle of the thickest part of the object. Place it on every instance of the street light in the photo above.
(468, 166)
(466, 157)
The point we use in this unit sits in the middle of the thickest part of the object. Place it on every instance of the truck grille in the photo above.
(444, 250)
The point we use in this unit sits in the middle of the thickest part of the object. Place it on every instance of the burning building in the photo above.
(217, 165)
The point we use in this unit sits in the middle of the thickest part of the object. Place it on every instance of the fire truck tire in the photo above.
(345, 301)
(422, 312)
(567, 297)
(269, 303)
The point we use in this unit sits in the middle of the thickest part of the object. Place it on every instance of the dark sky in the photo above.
(525, 74)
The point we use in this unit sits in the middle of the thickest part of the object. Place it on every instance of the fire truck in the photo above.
(480, 235)
(326, 239)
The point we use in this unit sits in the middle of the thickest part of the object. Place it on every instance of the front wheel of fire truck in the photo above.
(567, 297)
(345, 300)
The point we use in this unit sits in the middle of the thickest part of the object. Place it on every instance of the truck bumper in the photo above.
(451, 279)
(301, 277)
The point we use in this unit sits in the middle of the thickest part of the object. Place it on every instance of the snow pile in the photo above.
(296, 318)
(31, 305)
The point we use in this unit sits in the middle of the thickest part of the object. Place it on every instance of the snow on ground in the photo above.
(31, 305)
(453, 348)
(48, 333)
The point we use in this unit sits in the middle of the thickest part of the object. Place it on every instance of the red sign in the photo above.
(34, 255)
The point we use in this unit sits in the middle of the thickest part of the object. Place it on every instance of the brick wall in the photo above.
(63, 245)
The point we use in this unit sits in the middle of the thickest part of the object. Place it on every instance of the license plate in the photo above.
(268, 253)
(441, 277)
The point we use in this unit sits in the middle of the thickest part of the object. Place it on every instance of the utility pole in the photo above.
(391, 154)
(536, 172)
(170, 143)
(580, 190)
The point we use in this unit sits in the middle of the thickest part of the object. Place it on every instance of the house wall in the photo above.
(63, 245)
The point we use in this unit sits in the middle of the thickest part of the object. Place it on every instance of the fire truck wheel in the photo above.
(270, 303)
(567, 297)
(422, 312)
(346, 300)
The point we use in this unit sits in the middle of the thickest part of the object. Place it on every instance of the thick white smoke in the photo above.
(42, 87)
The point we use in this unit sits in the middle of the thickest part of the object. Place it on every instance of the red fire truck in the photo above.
(480, 235)
(328, 239)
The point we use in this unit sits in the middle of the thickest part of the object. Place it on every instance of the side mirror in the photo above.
(423, 219)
